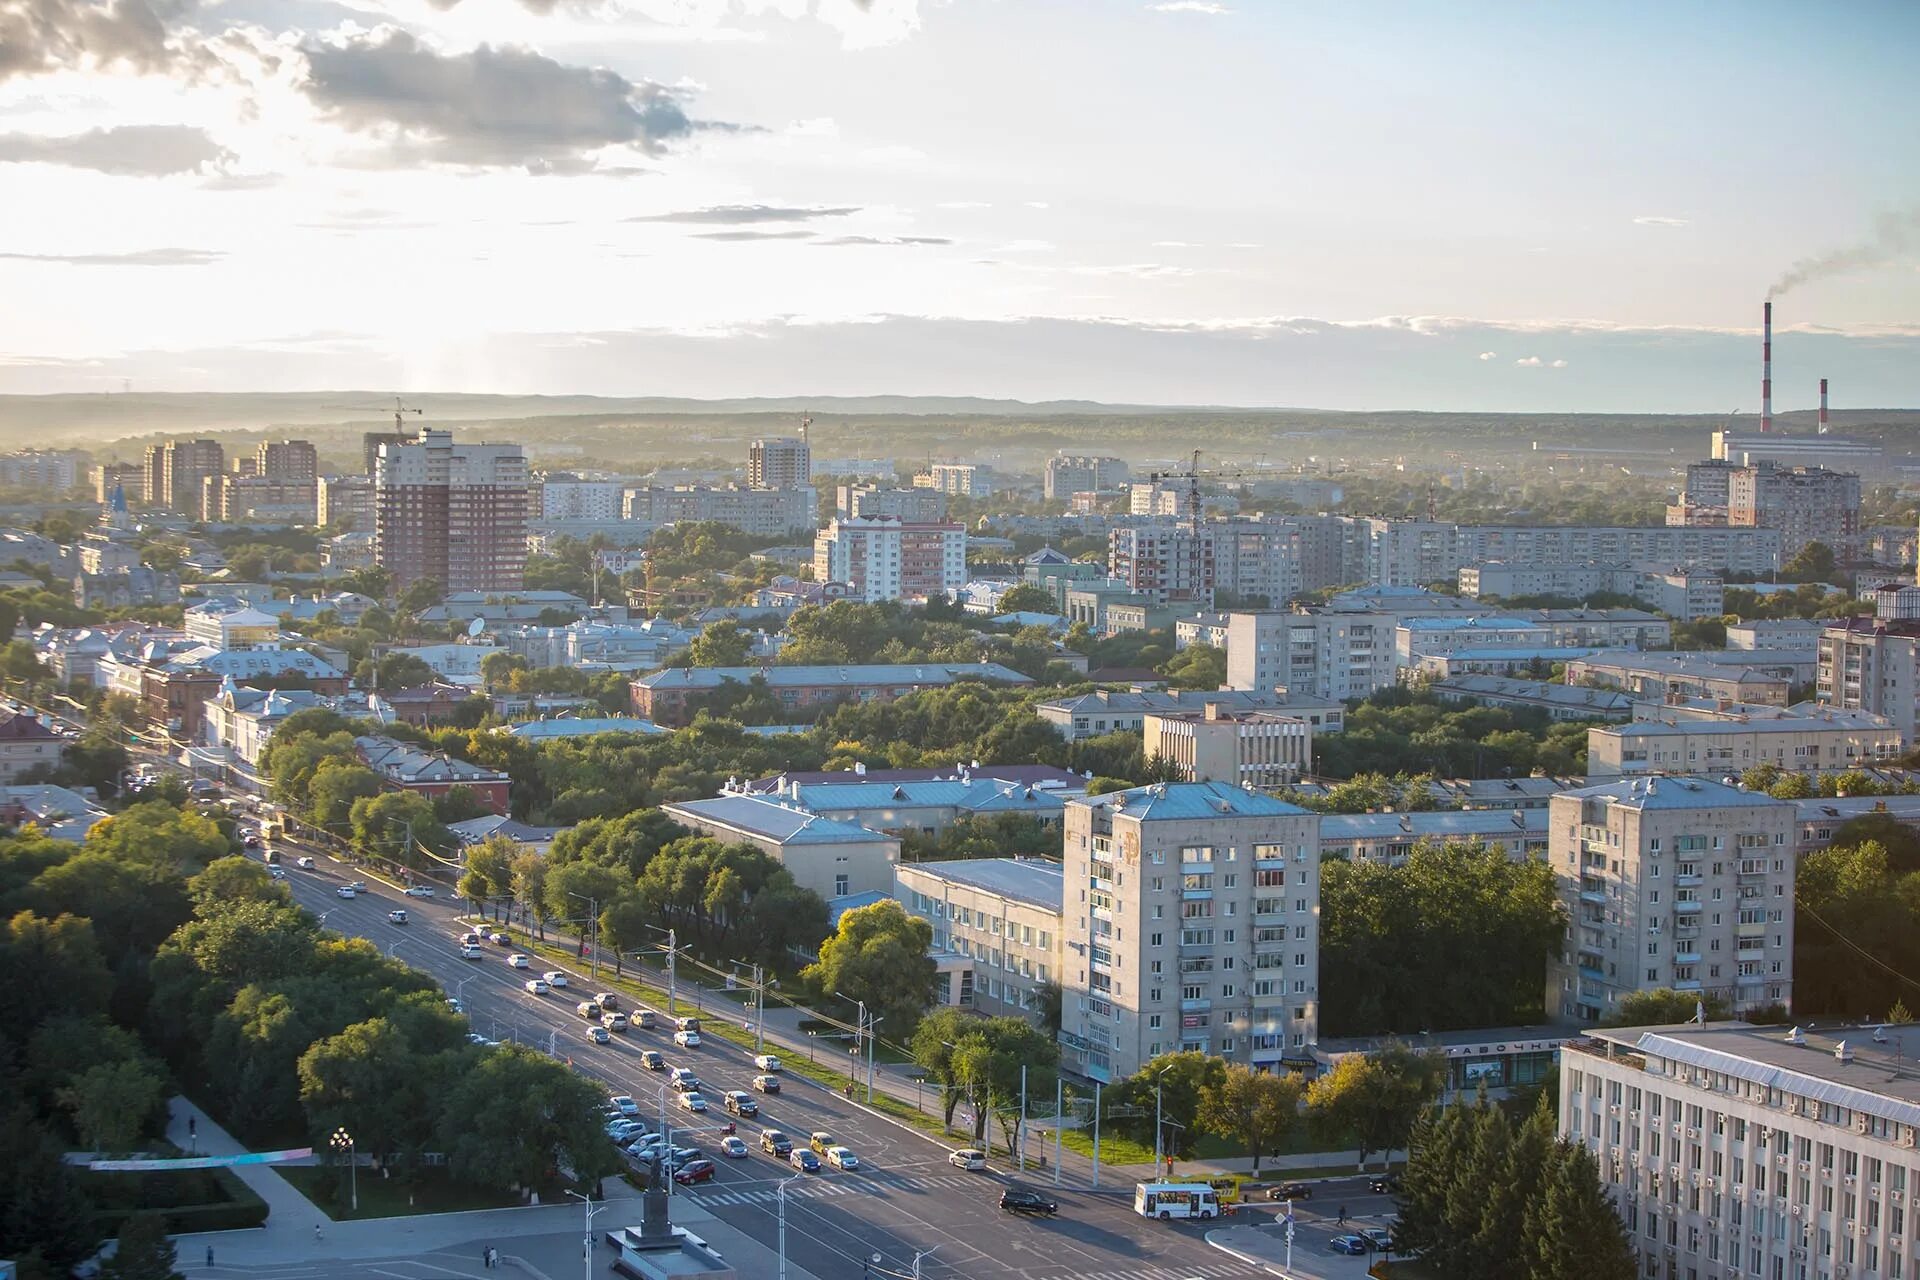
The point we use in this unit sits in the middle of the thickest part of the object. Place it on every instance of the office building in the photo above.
(779, 462)
(922, 506)
(451, 513)
(1168, 564)
(1800, 740)
(1068, 474)
(1190, 921)
(1000, 917)
(963, 478)
(288, 460)
(887, 559)
(347, 502)
(1681, 883)
(1733, 1151)
(1319, 654)
(1223, 743)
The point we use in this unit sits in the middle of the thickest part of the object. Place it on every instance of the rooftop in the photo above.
(1037, 881)
(1187, 801)
(851, 674)
(566, 727)
(1673, 793)
(772, 820)
(1434, 824)
(1859, 720)
(1600, 700)
(19, 728)
(1128, 700)
(1032, 774)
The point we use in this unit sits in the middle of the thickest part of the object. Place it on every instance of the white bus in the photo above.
(1169, 1200)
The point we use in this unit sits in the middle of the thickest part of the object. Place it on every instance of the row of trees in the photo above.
(1399, 730)
(318, 776)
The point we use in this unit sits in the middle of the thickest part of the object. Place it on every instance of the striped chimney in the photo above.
(1766, 367)
(1823, 406)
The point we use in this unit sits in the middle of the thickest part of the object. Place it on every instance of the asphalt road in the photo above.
(904, 1199)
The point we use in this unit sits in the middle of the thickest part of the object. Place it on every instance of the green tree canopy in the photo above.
(879, 955)
(1373, 1099)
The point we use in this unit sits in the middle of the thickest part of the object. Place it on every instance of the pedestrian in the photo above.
(209, 1256)
(1343, 1215)
(193, 1126)
(316, 1232)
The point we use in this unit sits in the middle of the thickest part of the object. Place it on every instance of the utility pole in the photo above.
(1059, 1114)
(673, 948)
(872, 1018)
(759, 1010)
(780, 1197)
(1020, 1129)
(1096, 1135)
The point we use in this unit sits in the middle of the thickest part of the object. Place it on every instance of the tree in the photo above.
(720, 644)
(1171, 1088)
(113, 1103)
(932, 1045)
(1664, 1007)
(370, 1078)
(1198, 666)
(1027, 598)
(497, 669)
(393, 824)
(235, 879)
(879, 955)
(529, 872)
(1812, 563)
(515, 1114)
(1256, 1108)
(992, 1061)
(1572, 1231)
(579, 889)
(336, 783)
(159, 834)
(1373, 1099)
(48, 1214)
(489, 874)
(144, 1252)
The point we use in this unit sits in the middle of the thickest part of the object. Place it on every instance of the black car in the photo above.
(1026, 1200)
(1384, 1183)
(1290, 1191)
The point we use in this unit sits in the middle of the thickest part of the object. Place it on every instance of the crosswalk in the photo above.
(839, 1185)
(1209, 1270)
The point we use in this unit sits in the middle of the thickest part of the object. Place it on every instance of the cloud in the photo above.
(730, 214)
(1488, 355)
(964, 204)
(492, 106)
(1656, 220)
(52, 35)
(1529, 362)
(146, 151)
(137, 258)
(1208, 7)
(1559, 364)
(886, 240)
(753, 235)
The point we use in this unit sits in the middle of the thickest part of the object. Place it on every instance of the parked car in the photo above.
(519, 961)
(537, 986)
(555, 978)
(1027, 1200)
(733, 1148)
(398, 915)
(775, 1143)
(419, 891)
(767, 1062)
(968, 1158)
(1353, 1246)
(694, 1171)
(687, 1039)
(741, 1104)
(767, 1084)
(1384, 1183)
(652, 1061)
(804, 1160)
(1290, 1191)
(693, 1102)
(842, 1158)
(597, 1034)
(623, 1104)
(623, 1129)
(1379, 1237)
(453, 1003)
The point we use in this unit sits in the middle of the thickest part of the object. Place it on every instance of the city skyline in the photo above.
(1186, 203)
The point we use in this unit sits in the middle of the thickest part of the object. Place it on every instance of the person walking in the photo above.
(316, 1233)
(209, 1256)
(1343, 1216)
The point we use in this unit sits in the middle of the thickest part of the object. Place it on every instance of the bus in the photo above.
(1226, 1186)
(1170, 1200)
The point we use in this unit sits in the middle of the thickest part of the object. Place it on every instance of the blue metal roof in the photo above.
(1660, 792)
(1186, 801)
(756, 815)
(1033, 880)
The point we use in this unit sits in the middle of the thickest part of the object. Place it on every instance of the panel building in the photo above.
(1068, 474)
(779, 462)
(1806, 504)
(1873, 664)
(455, 514)
(176, 471)
(1168, 564)
(888, 559)
(1320, 654)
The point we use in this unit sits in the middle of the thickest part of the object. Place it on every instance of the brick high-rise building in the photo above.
(453, 514)
(175, 473)
(287, 460)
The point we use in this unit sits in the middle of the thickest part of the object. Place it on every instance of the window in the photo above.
(841, 886)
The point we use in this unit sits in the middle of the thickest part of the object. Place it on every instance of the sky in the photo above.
(1464, 206)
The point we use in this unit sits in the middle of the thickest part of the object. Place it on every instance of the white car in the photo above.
(555, 978)
(623, 1104)
(767, 1062)
(537, 986)
(275, 873)
(842, 1158)
(968, 1158)
(693, 1102)
(733, 1148)
(345, 891)
(687, 1039)
(519, 961)
(420, 891)
(303, 862)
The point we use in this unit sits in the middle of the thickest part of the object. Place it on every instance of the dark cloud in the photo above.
(148, 150)
(753, 235)
(491, 106)
(886, 240)
(137, 258)
(733, 214)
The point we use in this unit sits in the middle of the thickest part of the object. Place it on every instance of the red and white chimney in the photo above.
(1823, 406)
(1766, 367)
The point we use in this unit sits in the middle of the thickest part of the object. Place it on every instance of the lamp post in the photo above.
(923, 1253)
(343, 1141)
(586, 1241)
(593, 927)
(1156, 1118)
(780, 1199)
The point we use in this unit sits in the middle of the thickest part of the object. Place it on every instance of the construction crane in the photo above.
(399, 411)
(1190, 518)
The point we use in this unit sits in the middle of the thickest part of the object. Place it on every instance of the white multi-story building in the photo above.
(1873, 664)
(963, 478)
(1684, 883)
(566, 497)
(1806, 740)
(1152, 498)
(1067, 475)
(1733, 1151)
(52, 472)
(1190, 921)
(1167, 563)
(1418, 552)
(779, 462)
(1319, 654)
(999, 917)
(888, 559)
(1223, 743)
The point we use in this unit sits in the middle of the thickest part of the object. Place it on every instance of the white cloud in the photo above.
(1658, 220)
(1529, 362)
(1559, 364)
(1207, 7)
(1488, 355)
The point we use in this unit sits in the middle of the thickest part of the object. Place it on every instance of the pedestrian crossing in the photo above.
(1185, 1271)
(839, 1185)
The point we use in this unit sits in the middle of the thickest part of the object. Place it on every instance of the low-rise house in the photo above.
(26, 744)
(405, 767)
(831, 857)
(62, 813)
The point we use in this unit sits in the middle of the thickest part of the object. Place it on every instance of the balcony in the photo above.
(1756, 929)
(1686, 957)
(1195, 1006)
(1596, 895)
(1688, 882)
(1594, 972)
(1687, 908)
(1688, 984)
(1750, 953)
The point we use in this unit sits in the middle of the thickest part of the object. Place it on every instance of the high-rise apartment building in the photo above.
(779, 462)
(1166, 563)
(175, 472)
(1259, 560)
(1682, 883)
(888, 559)
(1806, 504)
(568, 497)
(1873, 664)
(1190, 921)
(258, 499)
(51, 471)
(347, 501)
(128, 477)
(1153, 498)
(1322, 654)
(452, 513)
(372, 441)
(922, 505)
(1084, 473)
(287, 460)
(963, 478)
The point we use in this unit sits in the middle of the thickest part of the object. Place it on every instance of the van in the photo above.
(589, 1010)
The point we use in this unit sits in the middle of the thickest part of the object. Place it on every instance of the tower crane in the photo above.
(399, 410)
(1190, 518)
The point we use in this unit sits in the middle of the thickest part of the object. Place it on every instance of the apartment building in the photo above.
(1684, 883)
(1873, 664)
(963, 478)
(1223, 743)
(258, 499)
(451, 513)
(779, 462)
(1805, 504)
(1734, 1151)
(1190, 921)
(1165, 563)
(26, 745)
(1678, 594)
(51, 471)
(1804, 742)
(1559, 701)
(1153, 498)
(1068, 474)
(1316, 654)
(1001, 916)
(1259, 560)
(568, 497)
(1766, 678)
(347, 501)
(1417, 552)
(175, 471)
(884, 558)
(290, 460)
(1390, 837)
(1089, 715)
(830, 857)
(921, 506)
(123, 476)
(1758, 634)
(768, 513)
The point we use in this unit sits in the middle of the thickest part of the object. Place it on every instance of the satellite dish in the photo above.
(475, 627)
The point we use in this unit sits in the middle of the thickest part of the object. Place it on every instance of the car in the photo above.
(733, 1148)
(358, 886)
(694, 1171)
(555, 978)
(693, 1102)
(968, 1158)
(453, 1003)
(536, 986)
(1379, 1237)
(643, 1018)
(1384, 1183)
(519, 961)
(1290, 1191)
(419, 891)
(775, 1143)
(740, 1104)
(1027, 1200)
(597, 1034)
(623, 1104)
(1353, 1246)
(652, 1061)
(819, 1141)
(345, 891)
(397, 916)
(474, 1037)
(766, 1062)
(468, 951)
(607, 1000)
(614, 1022)
(684, 1081)
(303, 862)
(767, 1084)
(804, 1160)
(643, 1143)
(623, 1129)
(275, 873)
(842, 1158)
(251, 840)
(499, 938)
(687, 1039)
(471, 939)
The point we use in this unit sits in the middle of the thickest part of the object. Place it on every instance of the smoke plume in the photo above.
(1893, 235)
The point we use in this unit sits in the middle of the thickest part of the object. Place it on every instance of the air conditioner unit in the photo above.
(1859, 1124)
(1805, 1167)
(1709, 1184)
(1895, 1197)
(1693, 1135)
(1846, 1180)
(1696, 1177)
(1613, 1109)
(1795, 1210)
(1754, 1240)
(1907, 1137)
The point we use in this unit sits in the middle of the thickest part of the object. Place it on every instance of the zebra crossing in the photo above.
(1208, 1270)
(840, 1185)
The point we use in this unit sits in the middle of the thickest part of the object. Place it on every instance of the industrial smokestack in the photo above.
(1823, 406)
(1766, 367)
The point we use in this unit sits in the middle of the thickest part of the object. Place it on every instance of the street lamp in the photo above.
(780, 1198)
(923, 1253)
(586, 1241)
(343, 1141)
(1157, 1170)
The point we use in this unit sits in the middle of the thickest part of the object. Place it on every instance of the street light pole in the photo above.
(673, 950)
(586, 1241)
(923, 1253)
(780, 1198)
(343, 1141)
